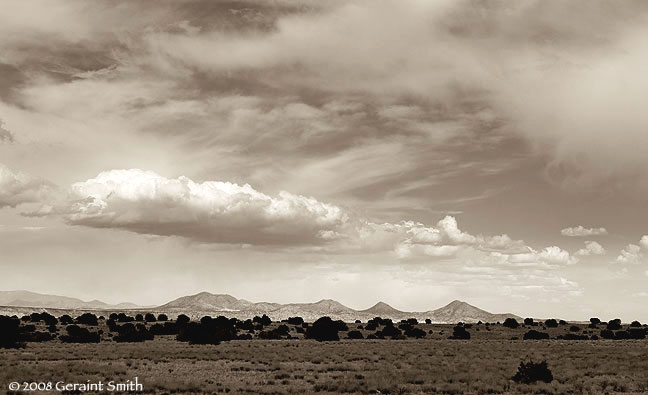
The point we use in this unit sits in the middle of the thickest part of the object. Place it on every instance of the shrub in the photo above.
(168, 328)
(129, 333)
(415, 332)
(595, 321)
(391, 331)
(9, 332)
(341, 326)
(635, 324)
(607, 334)
(637, 333)
(295, 320)
(562, 322)
(551, 323)
(528, 321)
(460, 333)
(531, 372)
(358, 322)
(208, 331)
(354, 335)
(536, 335)
(149, 317)
(412, 321)
(182, 319)
(573, 336)
(87, 319)
(428, 321)
(614, 324)
(162, 317)
(76, 334)
(65, 319)
(622, 335)
(282, 331)
(139, 317)
(324, 329)
(574, 328)
(511, 323)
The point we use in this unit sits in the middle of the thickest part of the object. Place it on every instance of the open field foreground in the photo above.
(435, 364)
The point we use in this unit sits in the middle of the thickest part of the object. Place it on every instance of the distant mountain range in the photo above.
(205, 303)
(33, 299)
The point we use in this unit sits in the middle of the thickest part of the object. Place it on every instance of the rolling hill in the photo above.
(33, 299)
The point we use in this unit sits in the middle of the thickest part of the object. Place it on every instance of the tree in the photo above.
(528, 321)
(87, 319)
(149, 317)
(76, 334)
(511, 323)
(595, 321)
(460, 333)
(162, 317)
(324, 329)
(614, 324)
(9, 332)
(182, 319)
(551, 323)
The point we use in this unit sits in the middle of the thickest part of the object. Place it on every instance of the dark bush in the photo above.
(65, 319)
(9, 332)
(324, 329)
(149, 317)
(595, 321)
(76, 334)
(614, 324)
(354, 335)
(415, 332)
(412, 321)
(168, 328)
(551, 323)
(208, 331)
(622, 335)
(129, 333)
(36, 337)
(562, 322)
(536, 335)
(428, 321)
(391, 331)
(341, 326)
(295, 320)
(182, 319)
(635, 324)
(162, 317)
(573, 336)
(87, 319)
(460, 333)
(574, 328)
(531, 372)
(511, 323)
(281, 332)
(139, 317)
(528, 321)
(371, 326)
(637, 333)
(607, 334)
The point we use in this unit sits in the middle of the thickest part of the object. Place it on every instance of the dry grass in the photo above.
(434, 365)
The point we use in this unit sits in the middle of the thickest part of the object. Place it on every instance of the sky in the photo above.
(411, 152)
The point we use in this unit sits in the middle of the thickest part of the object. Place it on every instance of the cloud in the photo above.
(223, 212)
(644, 242)
(580, 231)
(219, 212)
(591, 248)
(5, 135)
(631, 254)
(17, 188)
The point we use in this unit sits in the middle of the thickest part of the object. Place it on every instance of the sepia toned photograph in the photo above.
(323, 196)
